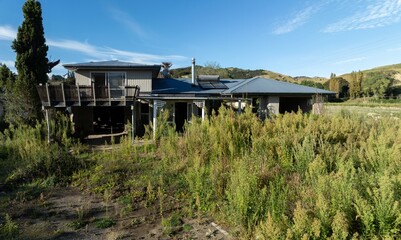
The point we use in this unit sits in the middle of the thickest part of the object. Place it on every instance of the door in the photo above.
(99, 79)
(181, 113)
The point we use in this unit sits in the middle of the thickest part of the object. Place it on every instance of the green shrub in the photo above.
(9, 229)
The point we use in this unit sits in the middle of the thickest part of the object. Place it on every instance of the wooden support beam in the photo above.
(62, 90)
(48, 95)
(203, 110)
(93, 93)
(47, 123)
(79, 95)
(133, 121)
(108, 89)
(154, 119)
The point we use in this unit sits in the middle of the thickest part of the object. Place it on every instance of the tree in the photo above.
(32, 65)
(338, 85)
(355, 85)
(7, 80)
(7, 77)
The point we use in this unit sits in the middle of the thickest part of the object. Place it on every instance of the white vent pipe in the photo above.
(193, 71)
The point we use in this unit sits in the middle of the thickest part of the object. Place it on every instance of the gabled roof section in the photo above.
(259, 85)
(113, 65)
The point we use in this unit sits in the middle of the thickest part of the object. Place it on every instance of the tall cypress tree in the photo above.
(31, 63)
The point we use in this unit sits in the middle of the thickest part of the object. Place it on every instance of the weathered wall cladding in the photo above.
(141, 78)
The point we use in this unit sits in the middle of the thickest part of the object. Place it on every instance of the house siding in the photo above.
(83, 78)
(141, 78)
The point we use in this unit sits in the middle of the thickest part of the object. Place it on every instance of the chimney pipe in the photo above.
(193, 71)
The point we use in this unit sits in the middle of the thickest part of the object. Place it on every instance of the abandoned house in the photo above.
(108, 94)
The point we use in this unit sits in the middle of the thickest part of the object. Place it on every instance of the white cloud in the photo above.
(7, 33)
(377, 14)
(299, 19)
(127, 21)
(76, 46)
(350, 60)
(104, 53)
(99, 53)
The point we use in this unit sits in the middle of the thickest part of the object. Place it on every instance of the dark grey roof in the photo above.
(113, 65)
(110, 64)
(259, 85)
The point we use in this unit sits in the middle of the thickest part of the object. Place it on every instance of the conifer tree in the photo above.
(355, 85)
(32, 65)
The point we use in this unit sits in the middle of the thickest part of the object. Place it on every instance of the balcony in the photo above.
(63, 95)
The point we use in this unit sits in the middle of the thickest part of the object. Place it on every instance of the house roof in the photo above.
(259, 85)
(113, 65)
(163, 86)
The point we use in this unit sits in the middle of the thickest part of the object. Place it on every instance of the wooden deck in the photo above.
(63, 95)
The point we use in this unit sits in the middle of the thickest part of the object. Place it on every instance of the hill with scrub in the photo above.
(379, 81)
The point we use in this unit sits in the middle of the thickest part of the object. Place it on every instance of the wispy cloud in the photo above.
(105, 53)
(350, 60)
(96, 52)
(376, 14)
(129, 22)
(394, 49)
(300, 18)
(75, 46)
(7, 33)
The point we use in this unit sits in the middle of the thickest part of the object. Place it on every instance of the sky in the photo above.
(292, 37)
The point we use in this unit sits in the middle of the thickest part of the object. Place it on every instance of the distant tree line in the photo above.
(364, 84)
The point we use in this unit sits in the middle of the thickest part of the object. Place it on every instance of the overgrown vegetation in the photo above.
(26, 156)
(297, 176)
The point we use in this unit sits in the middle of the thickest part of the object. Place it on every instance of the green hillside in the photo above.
(379, 81)
(238, 73)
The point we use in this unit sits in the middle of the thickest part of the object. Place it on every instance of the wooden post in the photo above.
(203, 110)
(108, 89)
(154, 119)
(48, 95)
(79, 95)
(62, 90)
(47, 123)
(239, 107)
(93, 93)
(133, 122)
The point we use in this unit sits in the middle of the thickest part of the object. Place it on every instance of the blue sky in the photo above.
(293, 37)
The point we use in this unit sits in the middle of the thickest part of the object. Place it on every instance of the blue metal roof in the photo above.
(184, 86)
(259, 85)
(256, 86)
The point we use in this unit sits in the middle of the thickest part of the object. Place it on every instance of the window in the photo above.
(113, 81)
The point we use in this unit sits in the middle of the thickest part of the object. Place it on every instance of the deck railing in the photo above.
(65, 95)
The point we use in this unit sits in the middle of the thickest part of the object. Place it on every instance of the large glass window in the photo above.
(116, 82)
(116, 79)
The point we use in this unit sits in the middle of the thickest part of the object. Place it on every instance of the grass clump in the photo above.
(9, 228)
(105, 223)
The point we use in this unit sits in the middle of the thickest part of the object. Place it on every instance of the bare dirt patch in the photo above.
(68, 213)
